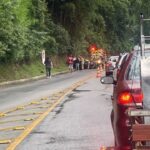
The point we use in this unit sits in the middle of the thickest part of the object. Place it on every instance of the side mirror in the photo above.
(107, 80)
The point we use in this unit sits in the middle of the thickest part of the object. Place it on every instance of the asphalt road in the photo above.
(26, 92)
(80, 122)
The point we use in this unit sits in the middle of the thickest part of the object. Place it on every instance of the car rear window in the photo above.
(133, 72)
(124, 58)
(113, 58)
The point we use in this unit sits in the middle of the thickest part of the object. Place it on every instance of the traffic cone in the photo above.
(103, 148)
(98, 73)
(108, 148)
(100, 68)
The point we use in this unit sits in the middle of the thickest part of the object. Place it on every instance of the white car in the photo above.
(111, 64)
(113, 60)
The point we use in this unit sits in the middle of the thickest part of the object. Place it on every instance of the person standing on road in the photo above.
(82, 63)
(70, 63)
(48, 66)
(77, 64)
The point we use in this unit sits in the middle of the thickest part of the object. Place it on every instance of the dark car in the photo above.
(92, 65)
(127, 93)
(86, 64)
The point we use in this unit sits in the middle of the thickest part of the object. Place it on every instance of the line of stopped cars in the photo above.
(126, 78)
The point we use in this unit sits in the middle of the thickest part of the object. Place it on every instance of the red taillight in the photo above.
(125, 98)
(138, 97)
(108, 64)
(128, 98)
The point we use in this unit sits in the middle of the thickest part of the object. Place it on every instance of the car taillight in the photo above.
(138, 97)
(125, 98)
(108, 64)
(128, 98)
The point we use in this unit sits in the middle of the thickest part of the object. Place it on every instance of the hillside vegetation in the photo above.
(65, 26)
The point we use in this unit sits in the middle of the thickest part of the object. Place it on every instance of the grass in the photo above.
(10, 72)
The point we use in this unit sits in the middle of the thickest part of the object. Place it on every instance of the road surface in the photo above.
(80, 122)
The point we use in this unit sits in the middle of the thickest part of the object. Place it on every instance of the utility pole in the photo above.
(143, 38)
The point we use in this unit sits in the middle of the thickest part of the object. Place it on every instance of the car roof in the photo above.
(125, 66)
(117, 56)
(121, 59)
(123, 82)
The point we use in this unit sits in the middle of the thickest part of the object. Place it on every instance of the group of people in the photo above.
(75, 63)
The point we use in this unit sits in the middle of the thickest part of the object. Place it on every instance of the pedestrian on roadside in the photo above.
(82, 63)
(70, 63)
(48, 66)
(74, 63)
(77, 63)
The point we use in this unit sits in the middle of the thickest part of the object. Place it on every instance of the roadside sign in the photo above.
(43, 56)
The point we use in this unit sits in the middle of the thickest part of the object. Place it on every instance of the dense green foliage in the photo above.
(27, 71)
(67, 26)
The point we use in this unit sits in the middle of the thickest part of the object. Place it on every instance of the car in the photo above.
(119, 65)
(127, 94)
(86, 64)
(110, 65)
(92, 65)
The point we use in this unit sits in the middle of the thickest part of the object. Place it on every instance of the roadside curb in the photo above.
(14, 82)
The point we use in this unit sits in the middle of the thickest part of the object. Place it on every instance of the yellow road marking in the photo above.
(43, 107)
(20, 107)
(17, 120)
(35, 102)
(2, 114)
(30, 127)
(46, 98)
(29, 119)
(15, 109)
(24, 114)
(18, 128)
(13, 128)
(37, 113)
(5, 141)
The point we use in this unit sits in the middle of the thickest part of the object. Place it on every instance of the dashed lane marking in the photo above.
(55, 99)
(5, 141)
(13, 128)
(17, 120)
(29, 128)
